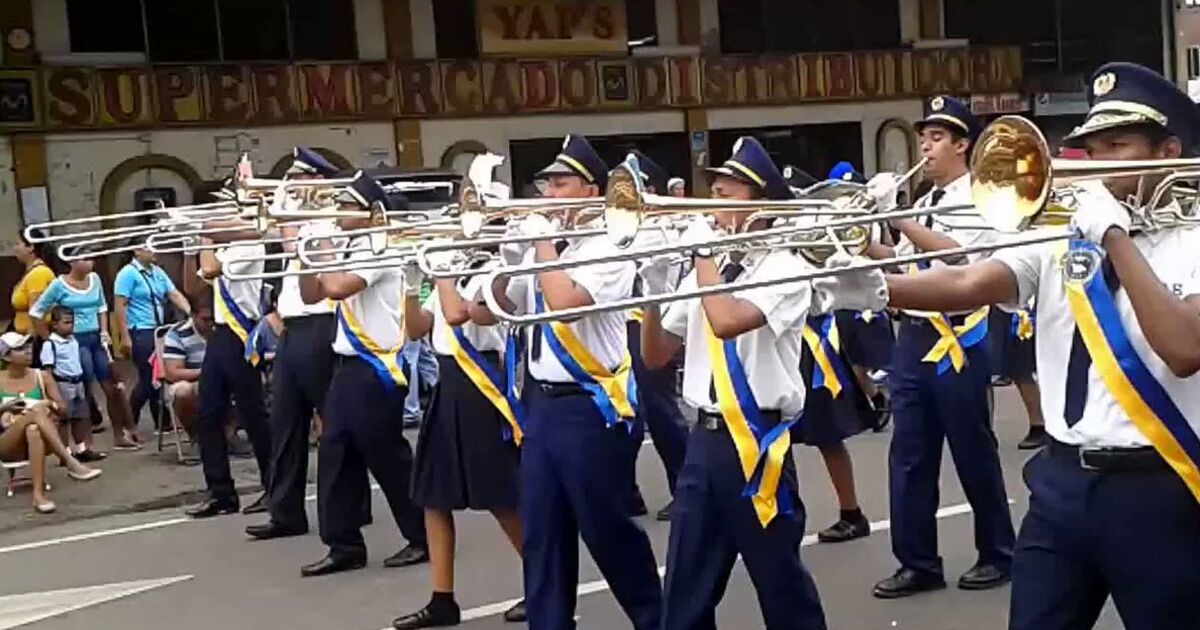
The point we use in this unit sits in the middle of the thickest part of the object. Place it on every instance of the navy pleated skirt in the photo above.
(463, 461)
(827, 421)
(868, 344)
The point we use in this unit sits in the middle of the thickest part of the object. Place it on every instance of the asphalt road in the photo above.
(160, 570)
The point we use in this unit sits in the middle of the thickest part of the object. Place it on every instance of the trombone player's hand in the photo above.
(412, 278)
(862, 290)
(535, 225)
(1099, 211)
(654, 274)
(883, 188)
(698, 234)
(513, 253)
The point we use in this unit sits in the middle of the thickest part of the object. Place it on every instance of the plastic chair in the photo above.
(167, 406)
(13, 481)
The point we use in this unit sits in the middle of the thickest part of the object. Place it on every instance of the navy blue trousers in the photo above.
(142, 348)
(300, 380)
(658, 411)
(1088, 535)
(928, 410)
(362, 432)
(712, 523)
(574, 481)
(226, 375)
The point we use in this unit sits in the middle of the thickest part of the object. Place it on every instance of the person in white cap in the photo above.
(27, 410)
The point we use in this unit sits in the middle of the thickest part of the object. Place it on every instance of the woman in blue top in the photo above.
(80, 290)
(140, 290)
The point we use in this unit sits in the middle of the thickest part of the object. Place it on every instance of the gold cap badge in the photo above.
(1104, 84)
(937, 104)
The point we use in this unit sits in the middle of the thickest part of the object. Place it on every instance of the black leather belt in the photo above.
(74, 380)
(955, 320)
(561, 390)
(1110, 460)
(714, 421)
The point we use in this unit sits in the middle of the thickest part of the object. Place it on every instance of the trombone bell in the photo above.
(623, 203)
(1011, 175)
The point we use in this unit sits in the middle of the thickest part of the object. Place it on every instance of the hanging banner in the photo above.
(551, 27)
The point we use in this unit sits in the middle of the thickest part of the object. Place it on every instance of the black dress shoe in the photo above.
(258, 507)
(907, 582)
(211, 508)
(410, 555)
(333, 563)
(982, 577)
(428, 617)
(516, 614)
(665, 513)
(844, 530)
(270, 530)
(1036, 438)
(635, 505)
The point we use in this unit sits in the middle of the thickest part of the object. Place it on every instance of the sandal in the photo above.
(45, 507)
(91, 474)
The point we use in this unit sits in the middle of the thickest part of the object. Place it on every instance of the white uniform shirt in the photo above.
(378, 308)
(247, 294)
(484, 338)
(962, 226)
(1037, 268)
(603, 334)
(770, 355)
(290, 304)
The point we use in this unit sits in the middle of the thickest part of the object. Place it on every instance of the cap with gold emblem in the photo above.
(752, 164)
(577, 157)
(1123, 94)
(951, 113)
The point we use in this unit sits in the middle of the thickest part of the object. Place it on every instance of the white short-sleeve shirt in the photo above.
(1172, 253)
(483, 338)
(963, 226)
(770, 355)
(247, 294)
(603, 334)
(379, 308)
(290, 304)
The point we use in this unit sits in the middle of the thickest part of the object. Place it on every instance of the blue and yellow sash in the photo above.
(487, 381)
(825, 344)
(238, 322)
(1022, 323)
(762, 449)
(950, 349)
(1128, 379)
(614, 392)
(385, 362)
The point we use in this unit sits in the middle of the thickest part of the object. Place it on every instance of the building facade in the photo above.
(105, 106)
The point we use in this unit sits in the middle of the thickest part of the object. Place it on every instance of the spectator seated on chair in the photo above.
(28, 404)
(61, 362)
(183, 354)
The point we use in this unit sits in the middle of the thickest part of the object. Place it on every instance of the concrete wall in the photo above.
(10, 214)
(79, 163)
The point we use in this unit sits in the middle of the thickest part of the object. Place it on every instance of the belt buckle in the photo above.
(1083, 463)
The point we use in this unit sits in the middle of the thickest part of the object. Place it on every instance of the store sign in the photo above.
(1060, 103)
(18, 93)
(549, 27)
(79, 97)
(1003, 103)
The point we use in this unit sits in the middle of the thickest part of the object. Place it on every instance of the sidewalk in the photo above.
(133, 481)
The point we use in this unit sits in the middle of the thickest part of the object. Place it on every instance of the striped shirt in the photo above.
(182, 342)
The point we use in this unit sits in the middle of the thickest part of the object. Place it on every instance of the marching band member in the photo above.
(365, 401)
(300, 377)
(578, 406)
(467, 451)
(231, 370)
(1115, 496)
(737, 492)
(939, 386)
(658, 400)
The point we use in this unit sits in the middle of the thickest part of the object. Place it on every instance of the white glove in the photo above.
(883, 188)
(698, 232)
(1098, 211)
(535, 225)
(317, 228)
(654, 275)
(864, 290)
(412, 278)
(441, 260)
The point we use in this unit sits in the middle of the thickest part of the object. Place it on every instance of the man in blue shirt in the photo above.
(140, 290)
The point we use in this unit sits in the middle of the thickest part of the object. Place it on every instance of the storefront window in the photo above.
(751, 26)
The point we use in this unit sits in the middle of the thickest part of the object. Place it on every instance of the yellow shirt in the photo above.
(33, 283)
